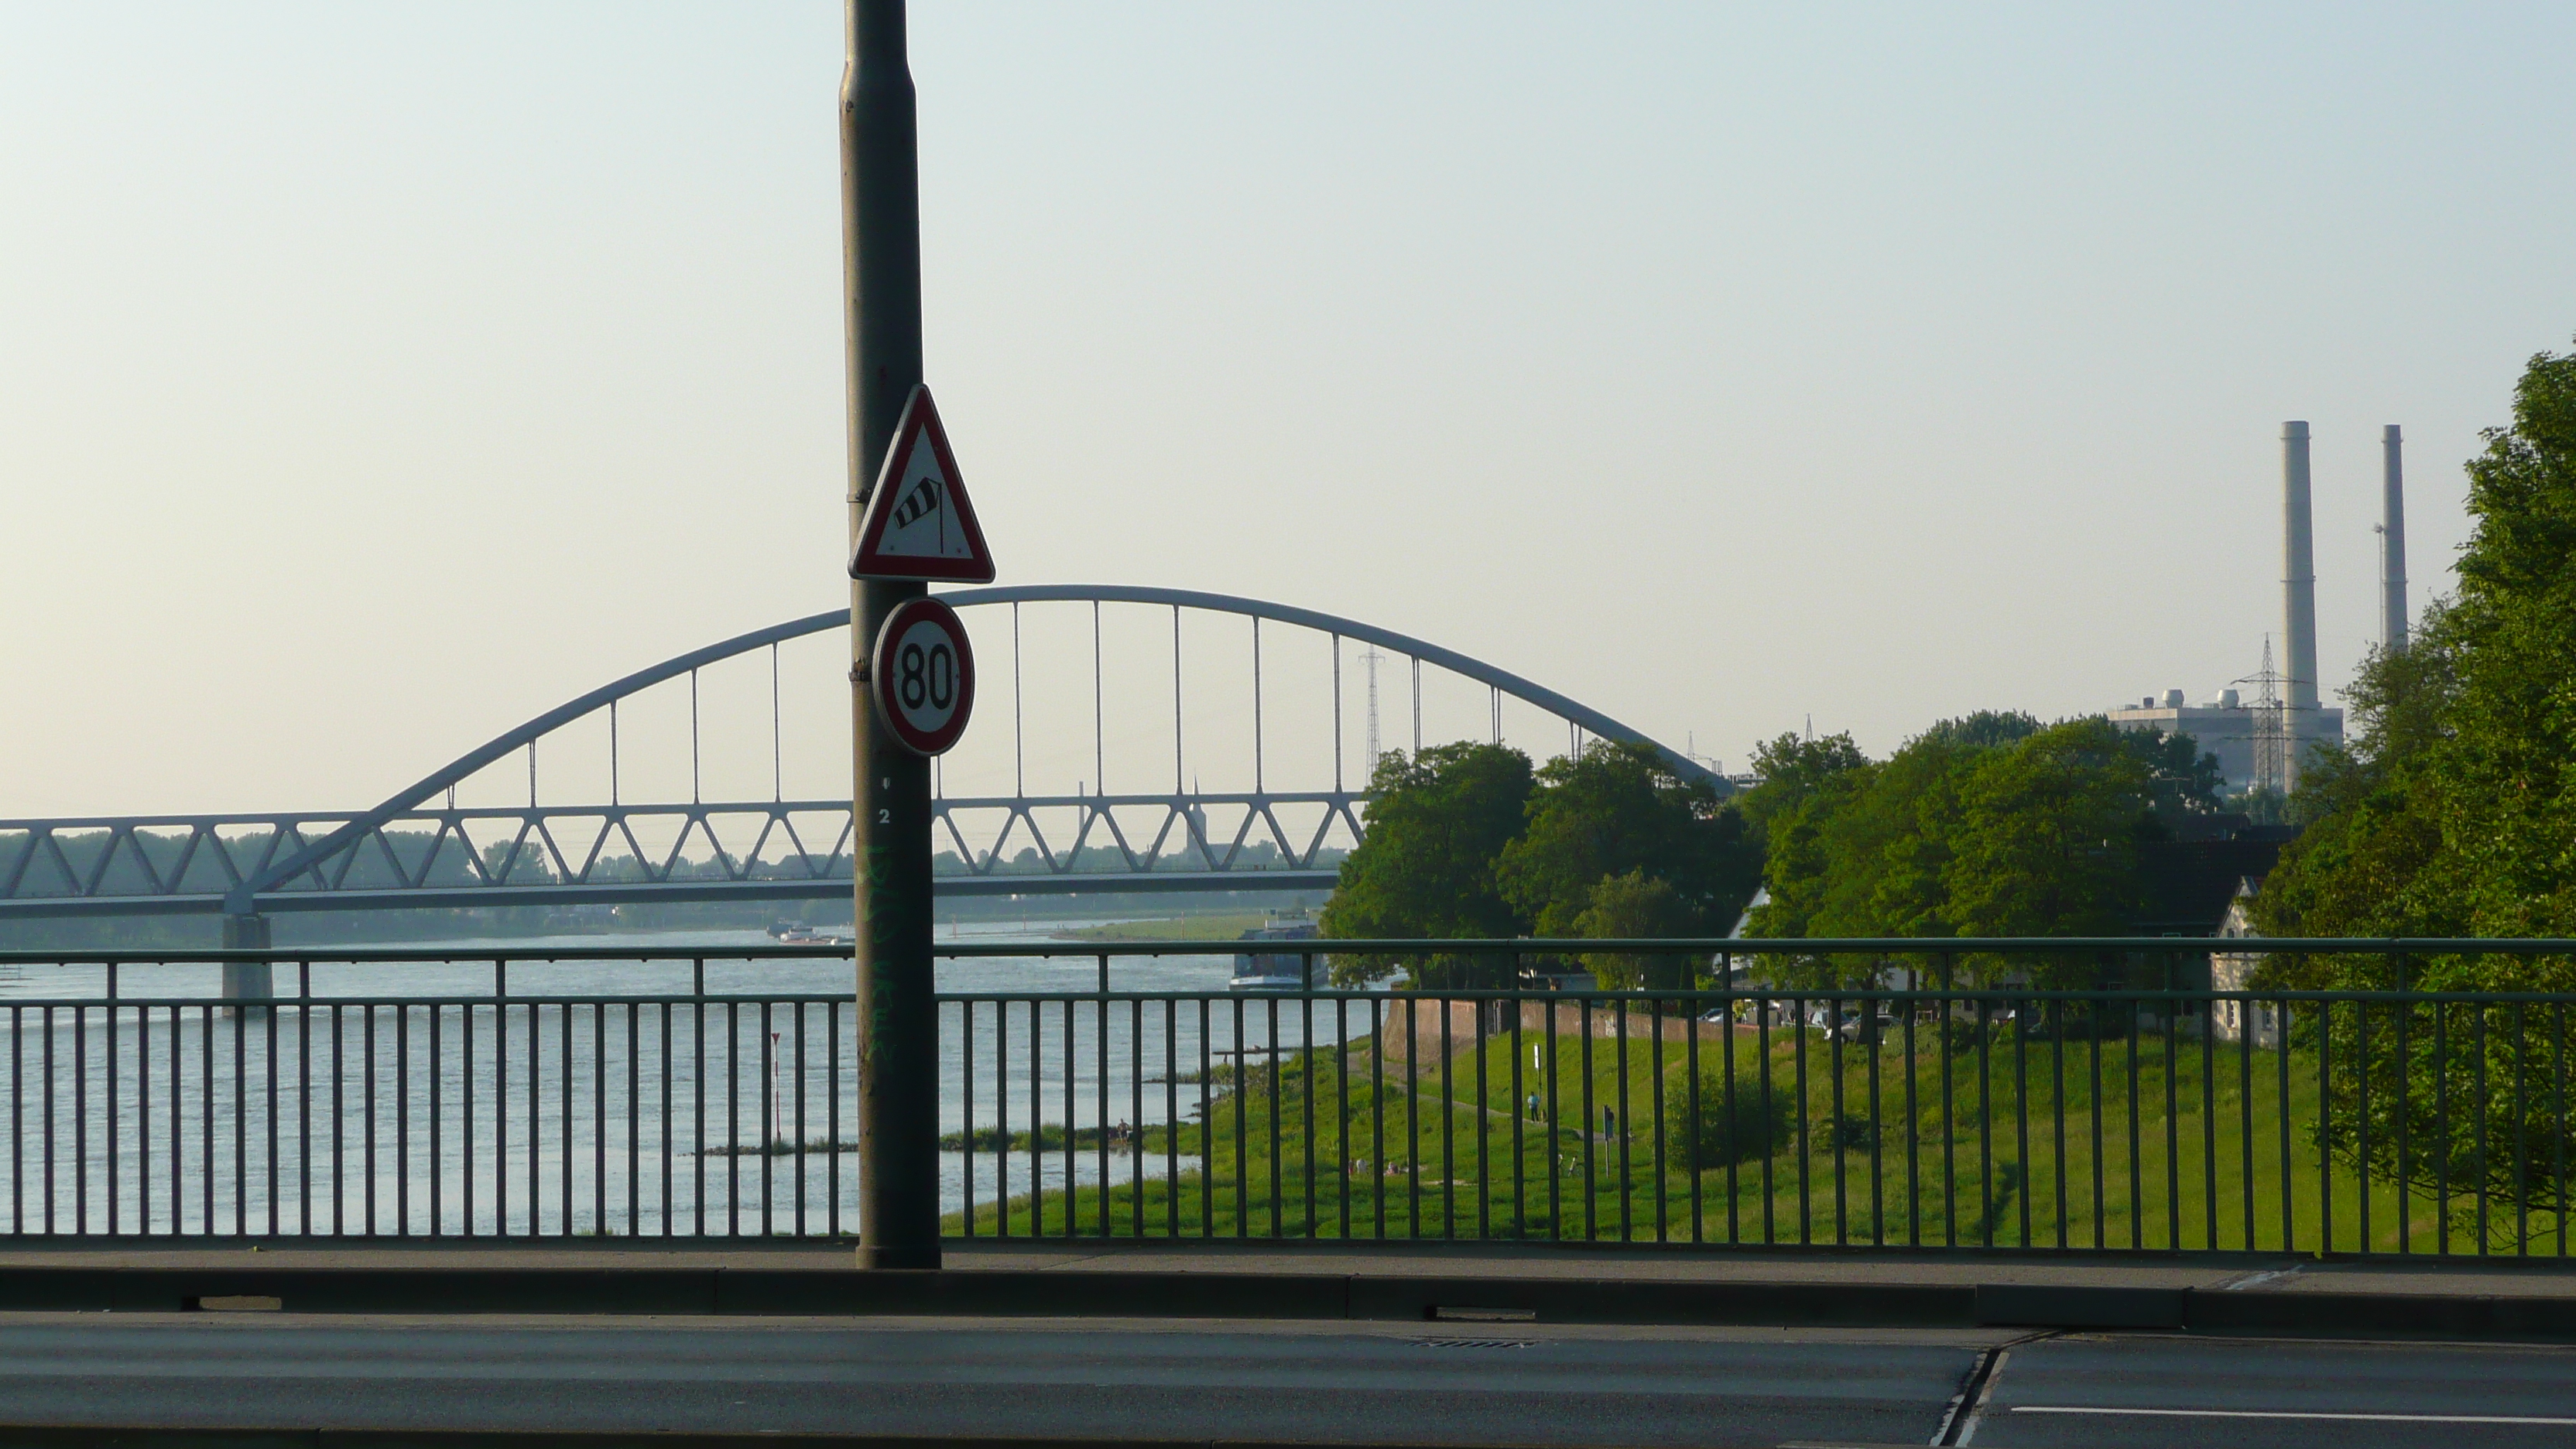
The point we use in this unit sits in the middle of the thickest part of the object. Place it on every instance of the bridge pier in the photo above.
(246, 980)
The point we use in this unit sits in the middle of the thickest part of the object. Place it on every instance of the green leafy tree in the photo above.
(1427, 866)
(1636, 906)
(2454, 813)
(1615, 809)
(2047, 838)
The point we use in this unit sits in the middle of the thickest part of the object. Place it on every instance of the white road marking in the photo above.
(2298, 1414)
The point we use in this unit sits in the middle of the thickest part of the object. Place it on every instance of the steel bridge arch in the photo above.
(243, 898)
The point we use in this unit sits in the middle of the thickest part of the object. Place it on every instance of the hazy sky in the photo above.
(374, 377)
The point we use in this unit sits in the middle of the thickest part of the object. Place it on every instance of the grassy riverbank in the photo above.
(2029, 1143)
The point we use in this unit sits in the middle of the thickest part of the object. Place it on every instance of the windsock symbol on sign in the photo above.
(920, 524)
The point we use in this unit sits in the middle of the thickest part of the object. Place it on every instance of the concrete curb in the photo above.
(1313, 1296)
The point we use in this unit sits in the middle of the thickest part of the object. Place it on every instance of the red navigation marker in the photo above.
(919, 523)
(924, 676)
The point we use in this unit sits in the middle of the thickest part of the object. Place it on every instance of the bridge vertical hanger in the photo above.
(891, 805)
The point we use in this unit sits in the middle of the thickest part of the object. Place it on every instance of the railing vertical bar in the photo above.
(1655, 1103)
(1413, 1113)
(1619, 1123)
(2558, 1113)
(18, 1119)
(2325, 1127)
(465, 1112)
(402, 1116)
(2137, 1153)
(1136, 1118)
(368, 1046)
(2211, 1228)
(769, 1125)
(2093, 1059)
(1277, 1106)
(1207, 1124)
(2521, 1139)
(697, 1092)
(2021, 1118)
(1446, 1112)
(1806, 1197)
(338, 1124)
(1913, 1134)
(2173, 1115)
(113, 1140)
(2289, 1178)
(1877, 1134)
(1377, 1109)
(1037, 1121)
(1554, 1084)
(500, 1098)
(2361, 1127)
(1448, 1120)
(564, 1076)
(1072, 1070)
(1306, 1080)
(966, 1114)
(1947, 1021)
(2478, 1088)
(303, 1099)
(2405, 1012)
(1835, 1006)
(634, 1129)
(1985, 1123)
(1591, 1145)
(142, 1126)
(1692, 1106)
(1762, 1014)
(1001, 1119)
(1242, 1136)
(2057, 1108)
(437, 1201)
(2245, 1112)
(80, 1119)
(733, 1117)
(662, 1126)
(1342, 1090)
(1100, 1096)
(536, 1122)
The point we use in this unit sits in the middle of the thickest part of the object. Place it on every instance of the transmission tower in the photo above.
(2272, 753)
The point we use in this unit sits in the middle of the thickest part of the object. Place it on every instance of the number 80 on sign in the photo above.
(924, 676)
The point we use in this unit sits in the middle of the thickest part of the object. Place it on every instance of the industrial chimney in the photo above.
(2298, 579)
(2392, 541)
(2296, 722)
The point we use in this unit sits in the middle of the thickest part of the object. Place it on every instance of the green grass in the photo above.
(2038, 1143)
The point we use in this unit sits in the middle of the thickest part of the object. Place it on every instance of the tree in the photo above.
(1616, 809)
(2047, 837)
(1636, 907)
(1437, 823)
(2454, 813)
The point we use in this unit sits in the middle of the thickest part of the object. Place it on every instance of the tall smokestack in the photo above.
(2392, 541)
(2298, 580)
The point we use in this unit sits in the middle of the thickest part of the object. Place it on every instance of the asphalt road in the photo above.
(1504, 1384)
(1479, 1383)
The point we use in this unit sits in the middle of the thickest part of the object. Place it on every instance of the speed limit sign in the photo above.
(924, 675)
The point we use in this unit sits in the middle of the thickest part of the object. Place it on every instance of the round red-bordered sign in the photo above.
(924, 673)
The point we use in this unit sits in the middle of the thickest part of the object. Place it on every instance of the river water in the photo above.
(645, 1118)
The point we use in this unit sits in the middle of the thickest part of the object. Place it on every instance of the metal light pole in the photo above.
(881, 288)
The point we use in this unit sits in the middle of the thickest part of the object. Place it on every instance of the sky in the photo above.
(374, 378)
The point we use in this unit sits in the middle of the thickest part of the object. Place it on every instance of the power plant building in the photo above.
(2233, 730)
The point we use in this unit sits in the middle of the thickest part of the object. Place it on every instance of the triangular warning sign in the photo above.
(919, 523)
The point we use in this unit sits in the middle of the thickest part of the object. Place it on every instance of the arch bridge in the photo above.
(421, 848)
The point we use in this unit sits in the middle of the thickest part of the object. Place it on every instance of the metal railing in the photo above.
(1118, 1091)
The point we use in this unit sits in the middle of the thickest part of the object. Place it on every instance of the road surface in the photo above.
(1429, 1383)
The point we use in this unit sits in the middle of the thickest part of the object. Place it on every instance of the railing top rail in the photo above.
(1909, 946)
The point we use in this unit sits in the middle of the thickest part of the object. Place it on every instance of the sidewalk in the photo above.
(2453, 1298)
